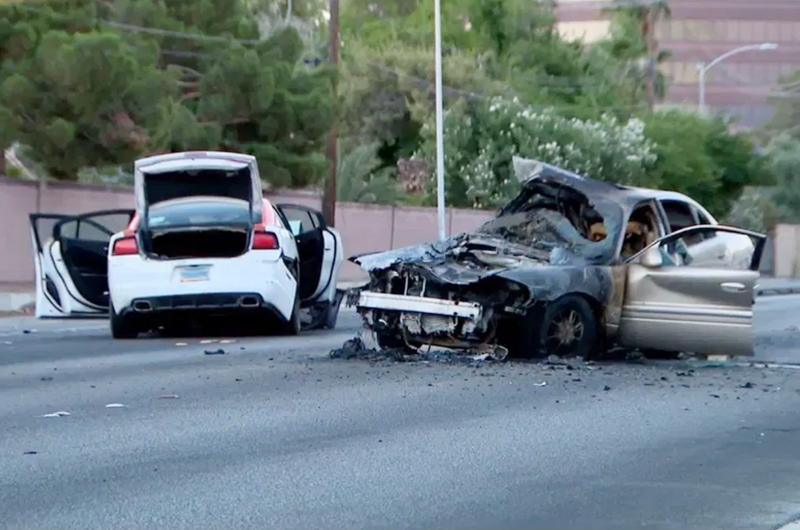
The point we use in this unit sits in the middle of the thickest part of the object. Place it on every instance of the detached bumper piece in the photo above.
(194, 302)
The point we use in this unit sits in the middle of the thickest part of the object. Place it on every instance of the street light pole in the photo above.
(440, 197)
(705, 67)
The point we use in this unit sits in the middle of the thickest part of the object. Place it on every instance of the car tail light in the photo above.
(125, 247)
(265, 241)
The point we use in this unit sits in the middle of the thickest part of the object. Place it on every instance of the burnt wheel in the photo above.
(388, 341)
(568, 328)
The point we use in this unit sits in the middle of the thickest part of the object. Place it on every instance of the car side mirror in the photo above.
(652, 259)
(297, 227)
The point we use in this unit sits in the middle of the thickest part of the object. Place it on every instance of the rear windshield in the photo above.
(198, 211)
(160, 187)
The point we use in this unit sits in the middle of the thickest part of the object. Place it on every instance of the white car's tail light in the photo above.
(264, 240)
(125, 247)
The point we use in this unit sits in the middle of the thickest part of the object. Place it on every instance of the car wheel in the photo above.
(121, 327)
(292, 326)
(568, 328)
(389, 341)
(332, 311)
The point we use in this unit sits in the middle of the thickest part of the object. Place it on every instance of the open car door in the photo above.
(320, 252)
(676, 304)
(71, 261)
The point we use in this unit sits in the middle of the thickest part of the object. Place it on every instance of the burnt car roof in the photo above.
(529, 170)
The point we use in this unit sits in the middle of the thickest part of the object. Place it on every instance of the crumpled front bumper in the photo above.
(418, 315)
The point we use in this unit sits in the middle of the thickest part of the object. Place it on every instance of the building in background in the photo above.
(701, 30)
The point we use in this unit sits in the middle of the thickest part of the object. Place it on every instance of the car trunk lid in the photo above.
(197, 204)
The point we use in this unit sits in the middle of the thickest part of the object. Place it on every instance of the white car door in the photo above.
(70, 255)
(320, 253)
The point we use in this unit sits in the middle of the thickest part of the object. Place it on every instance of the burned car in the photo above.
(570, 267)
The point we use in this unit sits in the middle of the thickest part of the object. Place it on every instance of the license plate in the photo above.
(197, 273)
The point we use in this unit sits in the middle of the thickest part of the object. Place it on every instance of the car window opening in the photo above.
(641, 231)
(161, 187)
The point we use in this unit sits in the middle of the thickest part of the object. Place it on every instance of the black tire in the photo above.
(121, 327)
(293, 325)
(332, 311)
(565, 328)
(388, 341)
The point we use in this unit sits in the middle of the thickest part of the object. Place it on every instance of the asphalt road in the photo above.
(275, 434)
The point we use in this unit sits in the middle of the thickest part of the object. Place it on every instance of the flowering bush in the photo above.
(481, 139)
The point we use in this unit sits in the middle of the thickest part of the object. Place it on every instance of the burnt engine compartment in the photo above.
(499, 299)
(209, 243)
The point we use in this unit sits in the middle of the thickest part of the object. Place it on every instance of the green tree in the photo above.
(702, 159)
(783, 159)
(90, 86)
(786, 110)
(646, 16)
(82, 96)
(360, 177)
(482, 138)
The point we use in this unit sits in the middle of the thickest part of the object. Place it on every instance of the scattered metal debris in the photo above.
(115, 406)
(46, 378)
(168, 396)
(215, 352)
(355, 348)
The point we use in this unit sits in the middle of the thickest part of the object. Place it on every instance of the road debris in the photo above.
(543, 383)
(46, 378)
(30, 453)
(115, 406)
(58, 414)
(168, 396)
(215, 352)
(355, 348)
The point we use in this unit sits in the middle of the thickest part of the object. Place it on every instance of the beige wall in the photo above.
(364, 228)
(787, 251)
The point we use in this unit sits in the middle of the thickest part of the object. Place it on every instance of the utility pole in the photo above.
(652, 15)
(329, 195)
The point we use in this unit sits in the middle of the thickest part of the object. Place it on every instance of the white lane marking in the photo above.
(56, 414)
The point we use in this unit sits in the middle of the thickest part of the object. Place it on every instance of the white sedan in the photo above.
(202, 241)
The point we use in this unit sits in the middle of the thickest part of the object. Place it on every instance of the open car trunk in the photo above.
(197, 204)
(203, 243)
(197, 227)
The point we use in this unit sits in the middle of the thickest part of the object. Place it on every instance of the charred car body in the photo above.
(569, 267)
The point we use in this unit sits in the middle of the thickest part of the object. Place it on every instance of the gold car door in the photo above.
(673, 304)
